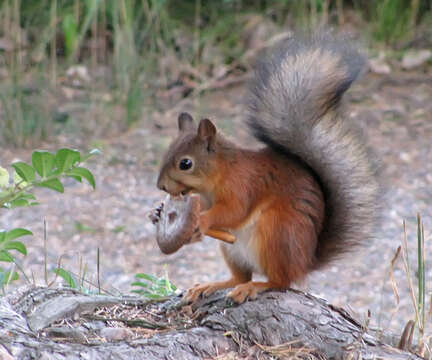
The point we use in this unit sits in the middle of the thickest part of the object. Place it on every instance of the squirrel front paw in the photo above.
(155, 214)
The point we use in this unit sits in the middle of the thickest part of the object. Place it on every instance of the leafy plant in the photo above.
(68, 278)
(70, 30)
(153, 287)
(7, 243)
(46, 170)
(419, 303)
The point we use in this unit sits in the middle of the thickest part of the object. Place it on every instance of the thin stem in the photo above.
(98, 270)
(54, 43)
(45, 254)
(408, 270)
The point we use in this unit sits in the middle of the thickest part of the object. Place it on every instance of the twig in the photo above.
(408, 270)
(56, 274)
(98, 270)
(132, 322)
(393, 281)
(405, 342)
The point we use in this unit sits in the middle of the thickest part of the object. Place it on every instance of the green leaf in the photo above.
(70, 29)
(25, 171)
(27, 196)
(6, 276)
(67, 277)
(154, 296)
(4, 177)
(66, 158)
(18, 202)
(140, 292)
(85, 173)
(119, 229)
(6, 256)
(16, 245)
(148, 277)
(2, 235)
(15, 276)
(139, 283)
(84, 228)
(53, 184)
(16, 233)
(162, 282)
(76, 177)
(19, 181)
(43, 162)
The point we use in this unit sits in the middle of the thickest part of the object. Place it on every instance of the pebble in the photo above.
(415, 58)
(379, 66)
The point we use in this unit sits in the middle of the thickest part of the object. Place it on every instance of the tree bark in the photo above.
(43, 323)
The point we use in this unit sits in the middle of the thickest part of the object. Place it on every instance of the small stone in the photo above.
(79, 73)
(379, 66)
(113, 334)
(406, 157)
(415, 58)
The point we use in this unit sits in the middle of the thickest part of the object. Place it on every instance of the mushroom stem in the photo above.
(221, 235)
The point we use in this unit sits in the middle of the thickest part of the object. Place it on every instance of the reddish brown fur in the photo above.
(273, 191)
(290, 220)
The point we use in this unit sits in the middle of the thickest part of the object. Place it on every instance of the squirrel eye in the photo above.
(185, 164)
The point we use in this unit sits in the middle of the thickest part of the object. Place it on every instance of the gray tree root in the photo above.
(42, 323)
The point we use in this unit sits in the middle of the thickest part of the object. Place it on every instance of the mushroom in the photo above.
(177, 223)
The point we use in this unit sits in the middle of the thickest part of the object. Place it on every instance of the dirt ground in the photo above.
(396, 114)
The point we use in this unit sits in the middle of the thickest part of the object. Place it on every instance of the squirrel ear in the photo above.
(207, 132)
(185, 122)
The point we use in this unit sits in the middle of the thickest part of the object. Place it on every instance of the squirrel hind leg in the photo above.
(287, 246)
(238, 276)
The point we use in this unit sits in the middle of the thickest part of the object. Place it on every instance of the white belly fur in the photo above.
(242, 252)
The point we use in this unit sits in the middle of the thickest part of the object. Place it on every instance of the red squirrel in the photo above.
(304, 198)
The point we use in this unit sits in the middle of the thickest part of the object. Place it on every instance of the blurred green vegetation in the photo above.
(130, 52)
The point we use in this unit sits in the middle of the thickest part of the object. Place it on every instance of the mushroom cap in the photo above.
(178, 219)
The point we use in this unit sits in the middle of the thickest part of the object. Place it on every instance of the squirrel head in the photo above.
(190, 159)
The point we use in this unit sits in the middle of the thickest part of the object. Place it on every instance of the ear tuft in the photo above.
(207, 133)
(185, 122)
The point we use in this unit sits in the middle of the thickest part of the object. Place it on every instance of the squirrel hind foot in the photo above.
(203, 290)
(250, 290)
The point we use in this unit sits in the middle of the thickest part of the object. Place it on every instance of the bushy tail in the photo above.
(294, 107)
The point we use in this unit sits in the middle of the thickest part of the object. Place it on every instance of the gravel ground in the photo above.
(396, 113)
